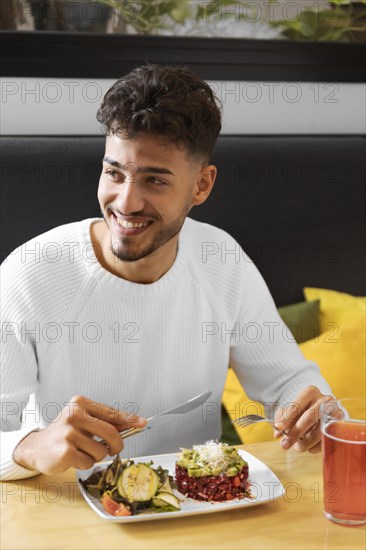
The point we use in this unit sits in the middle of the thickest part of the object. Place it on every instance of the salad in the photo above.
(125, 488)
(213, 472)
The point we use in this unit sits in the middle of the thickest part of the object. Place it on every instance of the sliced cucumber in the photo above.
(166, 487)
(166, 498)
(162, 480)
(138, 483)
(158, 502)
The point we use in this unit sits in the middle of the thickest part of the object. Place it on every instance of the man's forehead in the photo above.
(149, 149)
(154, 140)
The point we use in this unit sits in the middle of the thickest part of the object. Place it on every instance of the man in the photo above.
(120, 323)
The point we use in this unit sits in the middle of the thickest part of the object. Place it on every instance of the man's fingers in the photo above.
(305, 423)
(70, 442)
(316, 449)
(122, 419)
(131, 422)
(309, 441)
(301, 421)
(108, 432)
(96, 419)
(82, 460)
(101, 420)
(305, 433)
(286, 417)
(97, 451)
(309, 420)
(92, 409)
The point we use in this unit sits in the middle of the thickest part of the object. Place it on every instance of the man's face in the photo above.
(146, 190)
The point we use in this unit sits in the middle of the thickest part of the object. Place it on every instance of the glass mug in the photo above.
(343, 427)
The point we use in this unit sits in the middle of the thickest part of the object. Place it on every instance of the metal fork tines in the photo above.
(248, 419)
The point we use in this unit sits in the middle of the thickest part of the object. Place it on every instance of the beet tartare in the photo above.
(213, 472)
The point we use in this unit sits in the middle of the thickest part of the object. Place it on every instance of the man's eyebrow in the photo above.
(142, 169)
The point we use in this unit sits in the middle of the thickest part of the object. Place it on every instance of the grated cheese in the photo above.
(212, 454)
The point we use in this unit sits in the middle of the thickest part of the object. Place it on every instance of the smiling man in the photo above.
(126, 329)
(160, 185)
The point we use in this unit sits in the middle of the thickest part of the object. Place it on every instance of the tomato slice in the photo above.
(236, 481)
(113, 507)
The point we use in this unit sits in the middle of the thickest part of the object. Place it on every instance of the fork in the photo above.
(248, 419)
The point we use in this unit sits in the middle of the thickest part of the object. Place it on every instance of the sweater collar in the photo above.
(105, 278)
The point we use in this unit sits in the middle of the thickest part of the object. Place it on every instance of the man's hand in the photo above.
(301, 421)
(68, 441)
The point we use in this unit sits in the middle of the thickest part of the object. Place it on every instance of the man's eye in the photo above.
(111, 173)
(155, 181)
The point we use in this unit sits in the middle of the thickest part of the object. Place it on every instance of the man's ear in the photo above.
(204, 184)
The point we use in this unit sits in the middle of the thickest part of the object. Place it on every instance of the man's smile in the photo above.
(129, 226)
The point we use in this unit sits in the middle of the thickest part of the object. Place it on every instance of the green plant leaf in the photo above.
(328, 24)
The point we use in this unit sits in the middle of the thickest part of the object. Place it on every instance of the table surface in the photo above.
(50, 513)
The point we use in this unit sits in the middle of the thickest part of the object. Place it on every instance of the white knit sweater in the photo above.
(71, 327)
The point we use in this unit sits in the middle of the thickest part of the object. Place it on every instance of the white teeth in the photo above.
(131, 225)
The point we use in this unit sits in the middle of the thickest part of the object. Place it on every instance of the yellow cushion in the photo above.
(336, 307)
(341, 358)
(237, 404)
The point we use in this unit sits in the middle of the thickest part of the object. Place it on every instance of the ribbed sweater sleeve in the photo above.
(37, 284)
(263, 352)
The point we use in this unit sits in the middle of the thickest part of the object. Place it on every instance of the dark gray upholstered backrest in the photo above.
(294, 203)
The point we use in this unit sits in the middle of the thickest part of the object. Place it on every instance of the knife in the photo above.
(168, 416)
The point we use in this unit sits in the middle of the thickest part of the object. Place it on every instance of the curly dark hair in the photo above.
(172, 103)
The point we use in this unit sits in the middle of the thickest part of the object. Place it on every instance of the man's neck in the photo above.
(145, 271)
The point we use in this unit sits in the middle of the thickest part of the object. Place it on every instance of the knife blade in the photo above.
(168, 415)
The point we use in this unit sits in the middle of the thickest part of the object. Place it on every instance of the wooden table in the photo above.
(49, 513)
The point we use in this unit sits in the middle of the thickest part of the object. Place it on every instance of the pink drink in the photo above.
(344, 466)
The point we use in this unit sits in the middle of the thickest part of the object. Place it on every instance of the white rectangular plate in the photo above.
(264, 485)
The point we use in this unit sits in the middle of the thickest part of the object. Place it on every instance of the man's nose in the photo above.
(130, 199)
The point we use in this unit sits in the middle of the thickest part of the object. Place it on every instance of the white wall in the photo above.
(43, 106)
